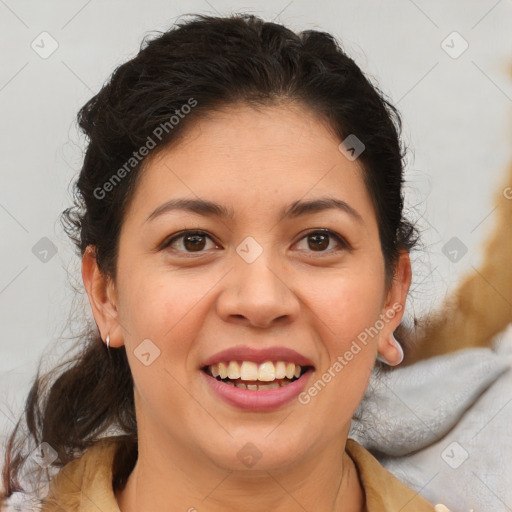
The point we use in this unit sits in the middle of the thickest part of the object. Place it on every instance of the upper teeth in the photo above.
(249, 370)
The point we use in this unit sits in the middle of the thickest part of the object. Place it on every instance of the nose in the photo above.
(257, 294)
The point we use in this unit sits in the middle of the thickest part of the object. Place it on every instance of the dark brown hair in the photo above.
(214, 62)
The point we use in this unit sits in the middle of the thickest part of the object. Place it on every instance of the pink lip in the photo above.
(251, 400)
(245, 353)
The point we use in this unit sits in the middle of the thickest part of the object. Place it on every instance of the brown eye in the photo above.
(194, 242)
(320, 240)
(188, 242)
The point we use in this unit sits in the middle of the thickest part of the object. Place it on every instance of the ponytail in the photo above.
(70, 408)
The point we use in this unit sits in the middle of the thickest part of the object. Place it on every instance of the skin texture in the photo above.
(314, 297)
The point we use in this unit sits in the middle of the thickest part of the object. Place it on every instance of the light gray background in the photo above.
(456, 114)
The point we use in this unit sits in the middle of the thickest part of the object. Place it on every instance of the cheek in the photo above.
(346, 308)
(166, 309)
(346, 304)
(155, 301)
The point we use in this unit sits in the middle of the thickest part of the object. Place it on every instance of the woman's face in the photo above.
(260, 277)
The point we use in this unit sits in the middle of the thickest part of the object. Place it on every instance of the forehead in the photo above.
(241, 156)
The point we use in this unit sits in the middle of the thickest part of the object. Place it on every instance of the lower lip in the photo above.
(257, 400)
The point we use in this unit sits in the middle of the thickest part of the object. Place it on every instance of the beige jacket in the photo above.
(85, 484)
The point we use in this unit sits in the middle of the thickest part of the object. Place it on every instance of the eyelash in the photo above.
(342, 242)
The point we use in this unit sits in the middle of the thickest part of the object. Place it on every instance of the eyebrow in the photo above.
(296, 209)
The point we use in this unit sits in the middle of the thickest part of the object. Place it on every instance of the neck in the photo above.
(173, 475)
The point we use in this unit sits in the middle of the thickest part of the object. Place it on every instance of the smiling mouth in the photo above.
(251, 376)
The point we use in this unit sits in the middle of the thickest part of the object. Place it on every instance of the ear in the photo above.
(102, 297)
(393, 310)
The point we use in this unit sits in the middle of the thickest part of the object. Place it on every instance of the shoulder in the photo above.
(86, 482)
(384, 492)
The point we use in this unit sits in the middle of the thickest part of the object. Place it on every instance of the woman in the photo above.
(239, 219)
